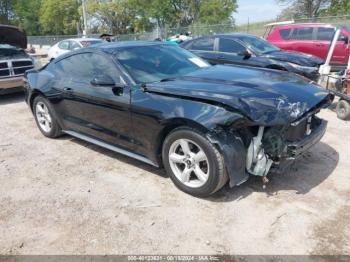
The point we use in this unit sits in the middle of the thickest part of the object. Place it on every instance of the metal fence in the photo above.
(196, 30)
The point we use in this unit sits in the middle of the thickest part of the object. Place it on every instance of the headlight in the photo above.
(306, 69)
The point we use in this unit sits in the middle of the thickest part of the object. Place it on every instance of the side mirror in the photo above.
(103, 80)
(344, 39)
(246, 54)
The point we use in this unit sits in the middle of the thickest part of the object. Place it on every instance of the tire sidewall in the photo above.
(342, 104)
(214, 175)
(54, 128)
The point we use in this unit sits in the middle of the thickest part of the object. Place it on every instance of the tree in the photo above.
(304, 8)
(27, 14)
(118, 17)
(6, 11)
(127, 16)
(216, 11)
(59, 17)
(339, 7)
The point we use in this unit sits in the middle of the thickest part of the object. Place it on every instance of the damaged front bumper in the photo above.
(257, 159)
(296, 149)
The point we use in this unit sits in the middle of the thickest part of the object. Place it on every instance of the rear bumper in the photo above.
(295, 149)
(10, 85)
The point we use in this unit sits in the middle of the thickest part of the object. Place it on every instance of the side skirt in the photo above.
(110, 147)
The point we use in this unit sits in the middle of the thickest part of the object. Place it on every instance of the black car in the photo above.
(249, 50)
(163, 105)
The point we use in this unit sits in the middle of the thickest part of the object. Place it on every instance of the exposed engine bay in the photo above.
(271, 145)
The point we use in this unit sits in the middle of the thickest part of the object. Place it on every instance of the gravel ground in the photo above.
(66, 196)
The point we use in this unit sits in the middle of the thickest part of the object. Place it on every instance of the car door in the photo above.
(99, 111)
(204, 48)
(324, 36)
(341, 51)
(230, 51)
(303, 40)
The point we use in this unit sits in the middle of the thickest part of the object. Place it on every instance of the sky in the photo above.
(256, 10)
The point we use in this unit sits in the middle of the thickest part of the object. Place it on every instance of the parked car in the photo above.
(14, 61)
(249, 50)
(313, 39)
(163, 105)
(68, 45)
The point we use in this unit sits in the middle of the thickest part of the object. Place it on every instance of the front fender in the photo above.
(234, 152)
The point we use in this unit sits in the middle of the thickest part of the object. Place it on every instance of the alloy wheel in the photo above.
(189, 163)
(43, 117)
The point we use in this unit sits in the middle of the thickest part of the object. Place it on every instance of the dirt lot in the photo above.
(65, 196)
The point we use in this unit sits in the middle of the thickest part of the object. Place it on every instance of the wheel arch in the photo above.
(35, 93)
(169, 126)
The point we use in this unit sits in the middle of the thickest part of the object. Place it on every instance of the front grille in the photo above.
(3, 65)
(15, 67)
(4, 73)
(21, 71)
(22, 63)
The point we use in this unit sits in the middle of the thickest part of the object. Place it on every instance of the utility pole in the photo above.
(84, 18)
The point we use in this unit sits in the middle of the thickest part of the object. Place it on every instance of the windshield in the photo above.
(258, 45)
(154, 63)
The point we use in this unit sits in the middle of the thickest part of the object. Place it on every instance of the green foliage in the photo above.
(339, 7)
(6, 11)
(27, 15)
(59, 16)
(216, 11)
(127, 16)
(303, 8)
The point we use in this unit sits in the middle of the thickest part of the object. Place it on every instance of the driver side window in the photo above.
(230, 46)
(86, 66)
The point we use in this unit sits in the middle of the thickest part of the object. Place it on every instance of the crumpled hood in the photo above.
(12, 35)
(295, 58)
(267, 97)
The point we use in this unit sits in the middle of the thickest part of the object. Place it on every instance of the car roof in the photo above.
(304, 24)
(82, 39)
(235, 35)
(114, 45)
(108, 47)
(227, 35)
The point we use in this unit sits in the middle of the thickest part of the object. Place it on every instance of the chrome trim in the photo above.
(11, 68)
(110, 147)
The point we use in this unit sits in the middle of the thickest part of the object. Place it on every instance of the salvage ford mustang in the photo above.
(161, 104)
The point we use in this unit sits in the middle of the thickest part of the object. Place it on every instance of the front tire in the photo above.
(44, 118)
(193, 163)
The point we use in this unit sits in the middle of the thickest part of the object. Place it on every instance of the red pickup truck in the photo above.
(313, 39)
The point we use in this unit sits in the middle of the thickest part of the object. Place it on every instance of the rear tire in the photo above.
(44, 117)
(343, 110)
(193, 163)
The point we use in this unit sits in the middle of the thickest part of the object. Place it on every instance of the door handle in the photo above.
(68, 89)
